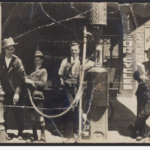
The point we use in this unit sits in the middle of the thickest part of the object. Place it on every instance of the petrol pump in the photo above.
(97, 80)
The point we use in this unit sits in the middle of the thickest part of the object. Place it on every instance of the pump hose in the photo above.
(54, 116)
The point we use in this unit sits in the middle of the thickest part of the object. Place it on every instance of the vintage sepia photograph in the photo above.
(74, 72)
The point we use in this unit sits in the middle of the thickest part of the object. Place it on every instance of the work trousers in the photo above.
(73, 114)
(18, 112)
(143, 111)
(140, 107)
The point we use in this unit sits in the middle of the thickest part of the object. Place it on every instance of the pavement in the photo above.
(124, 115)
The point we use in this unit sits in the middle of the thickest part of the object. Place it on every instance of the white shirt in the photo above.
(38, 67)
(63, 65)
(64, 62)
(8, 60)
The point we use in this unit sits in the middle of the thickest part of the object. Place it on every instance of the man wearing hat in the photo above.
(37, 81)
(142, 75)
(69, 76)
(11, 70)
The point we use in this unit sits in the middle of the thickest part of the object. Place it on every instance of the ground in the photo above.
(124, 115)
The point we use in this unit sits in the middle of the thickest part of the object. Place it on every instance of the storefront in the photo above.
(52, 28)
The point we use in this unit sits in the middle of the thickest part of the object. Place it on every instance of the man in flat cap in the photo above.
(143, 98)
(69, 76)
(11, 70)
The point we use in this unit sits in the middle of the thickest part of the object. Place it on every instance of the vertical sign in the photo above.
(127, 61)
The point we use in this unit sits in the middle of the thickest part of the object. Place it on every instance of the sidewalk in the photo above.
(124, 115)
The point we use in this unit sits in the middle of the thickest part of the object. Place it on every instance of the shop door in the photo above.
(110, 46)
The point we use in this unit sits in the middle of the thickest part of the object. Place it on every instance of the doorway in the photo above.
(111, 61)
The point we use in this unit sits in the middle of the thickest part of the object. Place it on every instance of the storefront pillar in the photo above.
(2, 128)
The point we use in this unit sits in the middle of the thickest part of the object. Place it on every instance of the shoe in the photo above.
(7, 136)
(32, 139)
(76, 136)
(20, 135)
(43, 139)
(35, 137)
(20, 138)
(141, 136)
(131, 127)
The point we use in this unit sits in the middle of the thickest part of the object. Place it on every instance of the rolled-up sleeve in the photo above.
(19, 74)
(89, 64)
(61, 70)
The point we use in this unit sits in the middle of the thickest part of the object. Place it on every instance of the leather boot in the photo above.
(7, 136)
(34, 137)
(43, 138)
(20, 135)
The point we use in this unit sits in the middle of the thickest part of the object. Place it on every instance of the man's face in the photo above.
(148, 55)
(9, 51)
(38, 61)
(75, 51)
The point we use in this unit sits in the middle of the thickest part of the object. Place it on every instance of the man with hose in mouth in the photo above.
(143, 98)
(69, 76)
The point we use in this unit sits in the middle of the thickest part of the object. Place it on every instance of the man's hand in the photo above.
(71, 64)
(83, 68)
(144, 78)
(62, 82)
(15, 99)
(86, 67)
(28, 81)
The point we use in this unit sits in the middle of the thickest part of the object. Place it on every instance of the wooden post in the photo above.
(2, 128)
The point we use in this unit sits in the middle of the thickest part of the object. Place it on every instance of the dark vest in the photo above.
(70, 78)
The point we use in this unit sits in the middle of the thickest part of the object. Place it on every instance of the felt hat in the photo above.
(38, 53)
(8, 42)
(147, 50)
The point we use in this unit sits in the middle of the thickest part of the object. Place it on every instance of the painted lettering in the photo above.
(127, 64)
(127, 59)
(127, 70)
(127, 81)
(125, 76)
(127, 50)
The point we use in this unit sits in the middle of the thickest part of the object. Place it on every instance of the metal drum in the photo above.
(97, 83)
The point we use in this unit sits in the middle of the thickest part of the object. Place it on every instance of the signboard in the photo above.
(127, 61)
